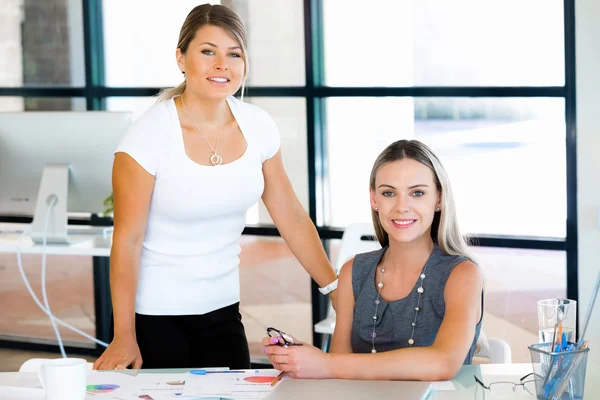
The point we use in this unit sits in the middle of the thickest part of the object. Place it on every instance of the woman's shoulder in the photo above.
(365, 262)
(153, 121)
(149, 130)
(259, 124)
(447, 258)
(446, 264)
(157, 112)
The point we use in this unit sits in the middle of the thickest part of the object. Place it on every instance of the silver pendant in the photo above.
(216, 159)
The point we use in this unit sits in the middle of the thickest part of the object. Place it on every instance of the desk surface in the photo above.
(94, 244)
(465, 385)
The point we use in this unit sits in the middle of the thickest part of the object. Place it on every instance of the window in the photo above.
(497, 152)
(433, 43)
(290, 116)
(140, 39)
(22, 319)
(16, 104)
(41, 44)
(483, 84)
(275, 291)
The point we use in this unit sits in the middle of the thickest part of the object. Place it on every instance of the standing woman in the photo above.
(184, 176)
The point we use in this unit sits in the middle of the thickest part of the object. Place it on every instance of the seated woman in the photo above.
(412, 310)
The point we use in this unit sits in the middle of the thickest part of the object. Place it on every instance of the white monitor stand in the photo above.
(53, 185)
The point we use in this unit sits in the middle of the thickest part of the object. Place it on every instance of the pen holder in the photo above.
(558, 375)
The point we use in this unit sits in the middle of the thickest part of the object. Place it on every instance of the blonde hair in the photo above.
(214, 15)
(444, 228)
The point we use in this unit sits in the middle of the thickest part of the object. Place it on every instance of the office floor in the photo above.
(275, 292)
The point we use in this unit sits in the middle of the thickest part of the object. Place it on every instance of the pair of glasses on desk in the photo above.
(523, 382)
(287, 339)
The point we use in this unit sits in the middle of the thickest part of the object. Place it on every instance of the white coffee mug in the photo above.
(64, 378)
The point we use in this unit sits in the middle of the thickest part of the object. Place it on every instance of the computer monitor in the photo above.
(65, 156)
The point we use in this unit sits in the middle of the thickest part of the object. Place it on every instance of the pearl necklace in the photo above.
(420, 291)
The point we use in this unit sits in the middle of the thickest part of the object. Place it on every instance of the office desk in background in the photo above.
(94, 244)
(465, 385)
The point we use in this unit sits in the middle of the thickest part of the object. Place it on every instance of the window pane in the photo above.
(41, 43)
(515, 279)
(498, 152)
(22, 319)
(140, 47)
(276, 41)
(136, 105)
(275, 291)
(16, 104)
(290, 116)
(438, 43)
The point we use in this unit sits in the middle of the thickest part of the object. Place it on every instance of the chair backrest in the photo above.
(357, 238)
(34, 364)
(496, 350)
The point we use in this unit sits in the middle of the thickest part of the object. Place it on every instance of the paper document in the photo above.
(108, 385)
(23, 385)
(250, 384)
(145, 386)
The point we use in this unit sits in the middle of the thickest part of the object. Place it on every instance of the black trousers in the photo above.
(214, 339)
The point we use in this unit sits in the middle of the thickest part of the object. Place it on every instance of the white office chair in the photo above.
(34, 364)
(357, 238)
(494, 349)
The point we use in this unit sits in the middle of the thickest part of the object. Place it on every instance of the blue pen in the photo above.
(204, 372)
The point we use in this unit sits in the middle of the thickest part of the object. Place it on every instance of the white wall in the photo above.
(587, 15)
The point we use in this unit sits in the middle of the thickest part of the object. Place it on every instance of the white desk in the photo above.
(465, 385)
(94, 245)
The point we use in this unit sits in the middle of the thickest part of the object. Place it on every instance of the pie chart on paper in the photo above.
(259, 379)
(101, 388)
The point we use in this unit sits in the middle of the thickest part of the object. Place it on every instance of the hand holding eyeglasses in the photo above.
(299, 360)
(281, 338)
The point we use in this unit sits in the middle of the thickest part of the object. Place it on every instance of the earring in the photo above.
(437, 209)
(376, 208)
(183, 72)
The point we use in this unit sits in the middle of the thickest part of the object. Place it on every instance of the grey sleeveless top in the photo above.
(393, 325)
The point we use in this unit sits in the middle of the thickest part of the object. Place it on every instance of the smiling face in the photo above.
(213, 63)
(406, 199)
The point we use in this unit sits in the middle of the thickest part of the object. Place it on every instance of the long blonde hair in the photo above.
(444, 228)
(215, 15)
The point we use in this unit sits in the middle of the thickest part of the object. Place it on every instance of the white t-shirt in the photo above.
(189, 261)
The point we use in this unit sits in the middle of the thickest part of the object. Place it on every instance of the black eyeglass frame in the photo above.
(288, 340)
(522, 382)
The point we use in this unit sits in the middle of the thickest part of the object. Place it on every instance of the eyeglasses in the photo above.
(287, 339)
(522, 382)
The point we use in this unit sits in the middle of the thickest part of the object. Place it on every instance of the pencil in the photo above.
(277, 379)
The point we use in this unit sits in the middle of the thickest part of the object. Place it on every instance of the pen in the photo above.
(204, 372)
(277, 379)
